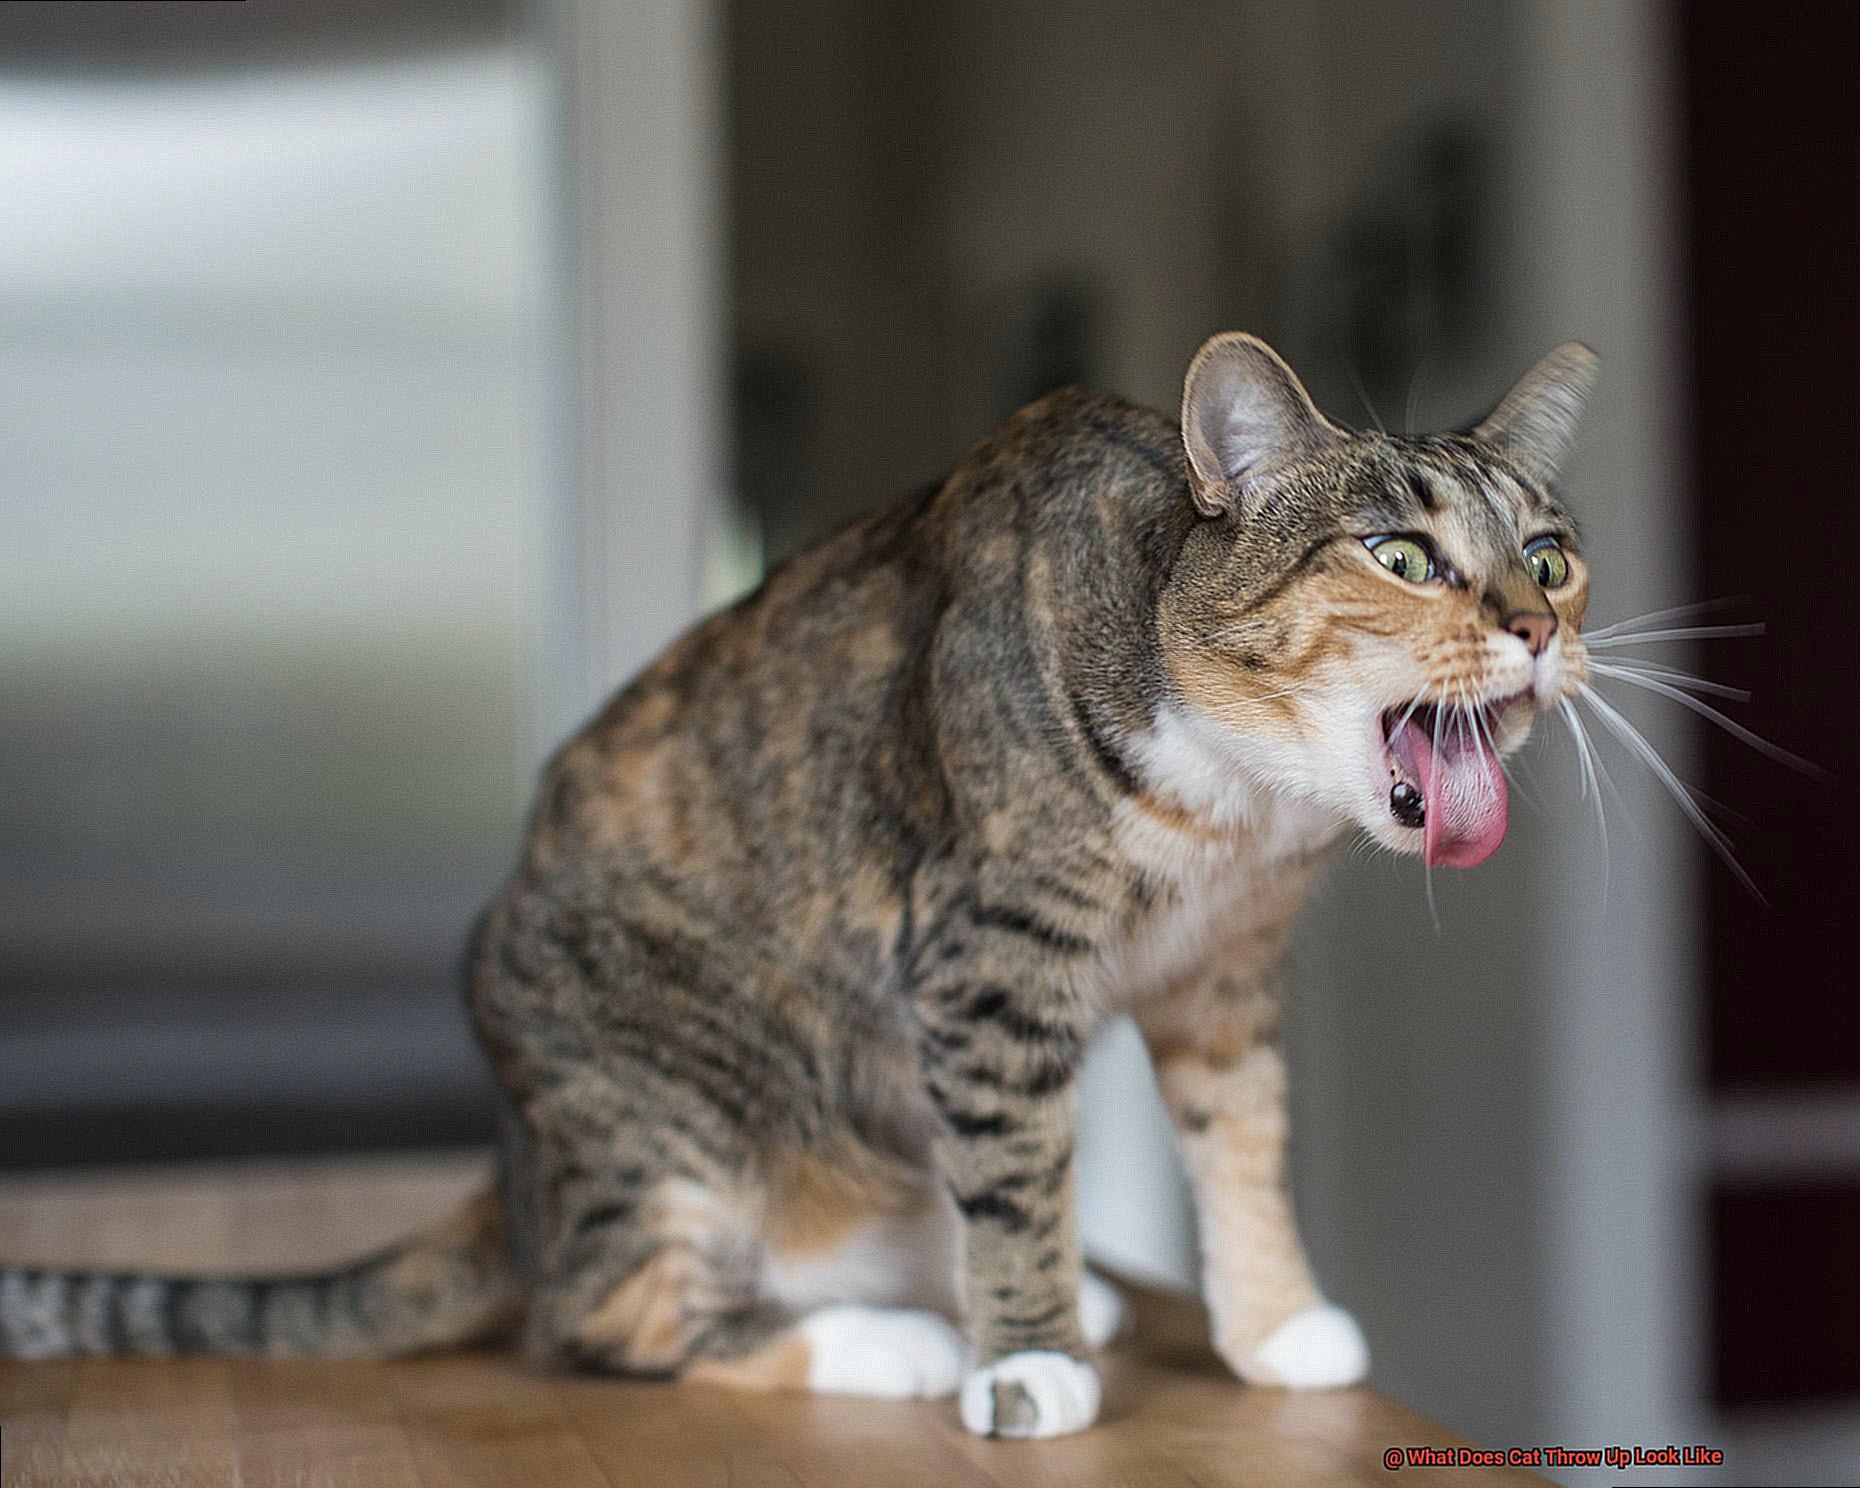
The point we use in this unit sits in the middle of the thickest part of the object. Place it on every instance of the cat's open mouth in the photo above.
(1446, 778)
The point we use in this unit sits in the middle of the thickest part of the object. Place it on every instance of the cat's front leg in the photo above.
(1001, 1053)
(1221, 1069)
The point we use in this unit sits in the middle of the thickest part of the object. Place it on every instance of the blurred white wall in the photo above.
(641, 332)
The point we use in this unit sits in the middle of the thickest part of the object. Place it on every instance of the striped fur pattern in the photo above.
(447, 1286)
(815, 919)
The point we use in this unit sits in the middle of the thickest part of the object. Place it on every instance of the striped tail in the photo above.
(450, 1285)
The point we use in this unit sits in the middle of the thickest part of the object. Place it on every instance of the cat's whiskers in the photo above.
(1665, 680)
(1681, 793)
(1485, 729)
(1415, 704)
(1658, 617)
(1609, 789)
(1482, 726)
(1705, 710)
(1469, 717)
(1349, 365)
(1427, 868)
(1414, 391)
(1676, 633)
(1525, 780)
(1626, 667)
(1462, 709)
(1591, 782)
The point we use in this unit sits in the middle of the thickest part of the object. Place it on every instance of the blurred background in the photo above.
(383, 381)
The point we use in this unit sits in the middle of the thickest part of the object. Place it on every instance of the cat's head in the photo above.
(1371, 622)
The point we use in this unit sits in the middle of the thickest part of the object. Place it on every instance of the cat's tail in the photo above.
(452, 1284)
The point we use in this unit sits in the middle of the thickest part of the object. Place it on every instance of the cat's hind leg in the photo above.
(654, 1223)
(891, 1353)
(861, 1251)
(644, 1251)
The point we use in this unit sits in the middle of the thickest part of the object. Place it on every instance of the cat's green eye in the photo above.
(1548, 563)
(1404, 557)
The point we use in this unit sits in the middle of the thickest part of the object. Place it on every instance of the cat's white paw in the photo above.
(1317, 1349)
(895, 1353)
(1037, 1393)
(1101, 1310)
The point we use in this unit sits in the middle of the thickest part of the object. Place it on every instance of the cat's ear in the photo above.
(1245, 417)
(1535, 425)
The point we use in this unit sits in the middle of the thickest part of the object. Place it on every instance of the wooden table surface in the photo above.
(1173, 1417)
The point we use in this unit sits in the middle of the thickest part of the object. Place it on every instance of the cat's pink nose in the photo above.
(1533, 628)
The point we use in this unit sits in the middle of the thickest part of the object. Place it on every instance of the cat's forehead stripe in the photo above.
(1443, 478)
(1482, 482)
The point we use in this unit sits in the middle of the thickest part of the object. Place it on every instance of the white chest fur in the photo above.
(1231, 863)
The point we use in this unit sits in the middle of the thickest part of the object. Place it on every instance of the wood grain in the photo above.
(1173, 1417)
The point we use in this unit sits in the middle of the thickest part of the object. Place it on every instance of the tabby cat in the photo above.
(814, 921)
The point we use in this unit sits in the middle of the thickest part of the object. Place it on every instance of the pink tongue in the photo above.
(1464, 788)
